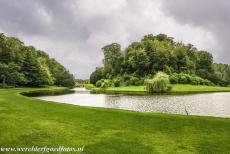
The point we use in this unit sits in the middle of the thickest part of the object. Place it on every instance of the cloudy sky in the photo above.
(74, 31)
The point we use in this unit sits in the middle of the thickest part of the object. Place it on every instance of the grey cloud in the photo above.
(73, 31)
(212, 15)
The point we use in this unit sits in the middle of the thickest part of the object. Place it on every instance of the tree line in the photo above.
(22, 65)
(184, 63)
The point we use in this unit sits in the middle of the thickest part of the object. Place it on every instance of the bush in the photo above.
(207, 82)
(98, 83)
(168, 70)
(105, 84)
(117, 82)
(158, 84)
(126, 77)
(133, 80)
(183, 78)
(140, 82)
(174, 78)
(195, 80)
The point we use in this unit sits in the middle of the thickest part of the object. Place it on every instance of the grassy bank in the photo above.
(176, 89)
(26, 122)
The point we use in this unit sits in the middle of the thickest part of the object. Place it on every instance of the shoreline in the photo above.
(178, 89)
(27, 121)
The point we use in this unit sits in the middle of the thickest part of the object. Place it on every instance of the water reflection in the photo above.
(210, 104)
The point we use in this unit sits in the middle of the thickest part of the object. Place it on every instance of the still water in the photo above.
(209, 104)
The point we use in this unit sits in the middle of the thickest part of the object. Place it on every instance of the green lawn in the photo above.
(177, 88)
(28, 122)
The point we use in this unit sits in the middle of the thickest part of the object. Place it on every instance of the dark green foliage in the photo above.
(22, 65)
(133, 80)
(105, 84)
(117, 82)
(222, 74)
(184, 78)
(126, 77)
(97, 75)
(174, 79)
(113, 59)
(140, 82)
(160, 53)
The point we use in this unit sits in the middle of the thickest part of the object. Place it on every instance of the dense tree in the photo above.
(222, 74)
(22, 65)
(204, 65)
(136, 60)
(113, 59)
(97, 75)
(160, 53)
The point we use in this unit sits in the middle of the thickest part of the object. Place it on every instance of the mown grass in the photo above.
(26, 122)
(176, 89)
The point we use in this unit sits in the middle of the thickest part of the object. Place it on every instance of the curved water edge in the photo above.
(53, 92)
(207, 104)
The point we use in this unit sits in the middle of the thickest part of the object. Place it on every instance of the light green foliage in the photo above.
(174, 89)
(88, 86)
(158, 84)
(45, 71)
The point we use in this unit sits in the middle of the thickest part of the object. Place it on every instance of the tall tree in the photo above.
(113, 59)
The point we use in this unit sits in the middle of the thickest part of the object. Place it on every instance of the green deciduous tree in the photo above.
(160, 53)
(25, 66)
(113, 59)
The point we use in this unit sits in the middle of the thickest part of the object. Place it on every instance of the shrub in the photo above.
(98, 83)
(168, 70)
(117, 82)
(158, 84)
(183, 78)
(207, 82)
(105, 84)
(174, 78)
(195, 80)
(139, 82)
(126, 77)
(133, 80)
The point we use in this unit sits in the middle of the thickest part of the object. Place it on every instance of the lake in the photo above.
(208, 104)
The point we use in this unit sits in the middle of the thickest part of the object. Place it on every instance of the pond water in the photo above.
(208, 104)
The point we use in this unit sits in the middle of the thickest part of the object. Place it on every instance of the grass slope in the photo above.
(25, 122)
(177, 89)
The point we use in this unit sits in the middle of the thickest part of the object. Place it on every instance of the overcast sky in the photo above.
(74, 31)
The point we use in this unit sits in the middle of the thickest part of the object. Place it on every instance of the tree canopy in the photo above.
(22, 65)
(159, 53)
